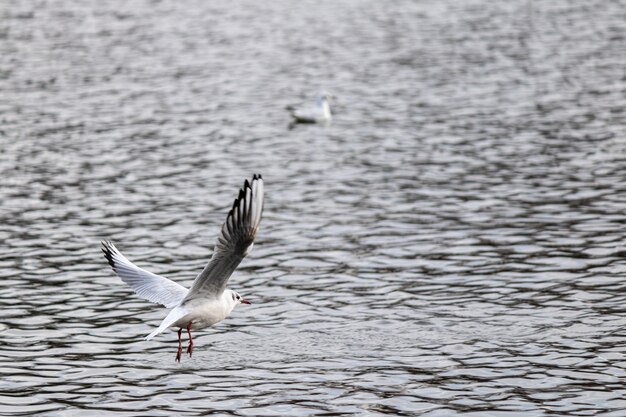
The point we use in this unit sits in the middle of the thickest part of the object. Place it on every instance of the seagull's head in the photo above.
(234, 298)
(325, 96)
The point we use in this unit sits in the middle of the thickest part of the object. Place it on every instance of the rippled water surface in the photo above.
(452, 244)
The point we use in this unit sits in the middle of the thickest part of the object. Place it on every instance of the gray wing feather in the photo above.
(233, 243)
(146, 285)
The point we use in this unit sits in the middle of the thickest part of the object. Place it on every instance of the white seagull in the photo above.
(318, 113)
(208, 301)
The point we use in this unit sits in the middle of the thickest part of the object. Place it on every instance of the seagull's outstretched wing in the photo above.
(147, 285)
(233, 243)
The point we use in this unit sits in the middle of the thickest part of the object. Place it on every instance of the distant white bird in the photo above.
(207, 301)
(318, 113)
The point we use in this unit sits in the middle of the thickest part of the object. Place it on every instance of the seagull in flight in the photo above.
(319, 113)
(208, 301)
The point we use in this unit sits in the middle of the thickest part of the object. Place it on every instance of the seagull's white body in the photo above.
(207, 301)
(319, 113)
(201, 312)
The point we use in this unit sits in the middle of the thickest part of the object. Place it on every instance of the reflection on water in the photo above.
(451, 244)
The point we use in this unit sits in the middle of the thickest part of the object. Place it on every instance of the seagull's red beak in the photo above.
(244, 301)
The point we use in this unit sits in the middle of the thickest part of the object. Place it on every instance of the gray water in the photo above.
(452, 244)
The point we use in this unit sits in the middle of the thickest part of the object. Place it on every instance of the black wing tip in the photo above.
(108, 252)
(240, 201)
(248, 184)
(242, 191)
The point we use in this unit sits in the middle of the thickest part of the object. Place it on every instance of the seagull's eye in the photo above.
(238, 297)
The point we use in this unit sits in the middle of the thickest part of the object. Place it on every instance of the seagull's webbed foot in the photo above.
(190, 346)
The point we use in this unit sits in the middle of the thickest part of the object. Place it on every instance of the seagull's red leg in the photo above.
(180, 345)
(190, 347)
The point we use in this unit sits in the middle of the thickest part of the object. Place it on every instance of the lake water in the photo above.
(452, 244)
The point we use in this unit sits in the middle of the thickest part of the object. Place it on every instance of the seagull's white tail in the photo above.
(174, 315)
